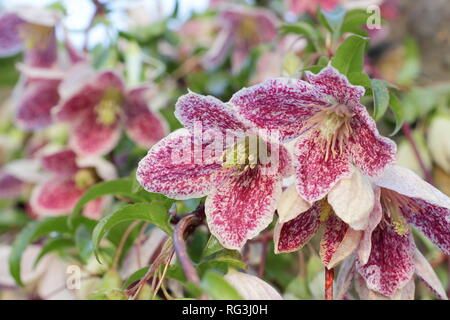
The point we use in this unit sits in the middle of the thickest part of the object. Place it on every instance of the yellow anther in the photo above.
(109, 107)
(85, 178)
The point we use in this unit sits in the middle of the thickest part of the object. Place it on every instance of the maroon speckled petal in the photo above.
(433, 221)
(338, 241)
(425, 272)
(10, 186)
(10, 41)
(55, 197)
(390, 266)
(278, 104)
(315, 176)
(86, 94)
(62, 163)
(333, 84)
(174, 167)
(39, 97)
(89, 137)
(295, 233)
(143, 125)
(242, 206)
(43, 56)
(208, 112)
(370, 151)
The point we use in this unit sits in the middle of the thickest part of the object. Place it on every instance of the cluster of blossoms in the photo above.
(61, 87)
(344, 178)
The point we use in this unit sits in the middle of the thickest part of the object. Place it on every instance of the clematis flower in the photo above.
(98, 106)
(70, 176)
(241, 29)
(218, 156)
(386, 256)
(344, 216)
(333, 128)
(31, 29)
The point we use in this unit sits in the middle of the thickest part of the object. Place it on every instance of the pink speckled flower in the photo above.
(241, 29)
(333, 128)
(310, 6)
(97, 106)
(31, 29)
(241, 181)
(386, 254)
(69, 177)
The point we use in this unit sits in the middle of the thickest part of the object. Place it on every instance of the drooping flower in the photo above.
(241, 29)
(216, 155)
(334, 129)
(69, 177)
(98, 106)
(386, 256)
(31, 29)
(310, 6)
(343, 215)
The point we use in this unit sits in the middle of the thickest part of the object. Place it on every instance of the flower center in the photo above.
(333, 123)
(109, 107)
(245, 154)
(85, 178)
(35, 36)
(248, 29)
(392, 204)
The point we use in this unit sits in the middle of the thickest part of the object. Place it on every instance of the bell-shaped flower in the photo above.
(31, 29)
(334, 129)
(69, 177)
(219, 156)
(241, 30)
(97, 106)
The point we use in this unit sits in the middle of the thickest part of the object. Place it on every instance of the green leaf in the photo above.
(333, 20)
(83, 242)
(354, 22)
(154, 213)
(218, 288)
(302, 28)
(212, 246)
(412, 66)
(28, 235)
(349, 56)
(380, 98)
(398, 111)
(122, 187)
(53, 245)
(360, 79)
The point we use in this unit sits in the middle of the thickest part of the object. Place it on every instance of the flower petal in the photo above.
(219, 49)
(338, 241)
(291, 205)
(39, 97)
(427, 274)
(62, 163)
(345, 277)
(143, 125)
(353, 200)
(45, 53)
(315, 175)
(332, 83)
(10, 41)
(250, 287)
(55, 197)
(242, 206)
(390, 266)
(406, 182)
(370, 151)
(10, 186)
(175, 167)
(85, 91)
(89, 137)
(365, 246)
(278, 104)
(197, 112)
(294, 234)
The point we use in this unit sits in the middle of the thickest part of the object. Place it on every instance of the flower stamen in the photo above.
(109, 107)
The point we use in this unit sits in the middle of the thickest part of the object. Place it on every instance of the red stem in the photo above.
(329, 277)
